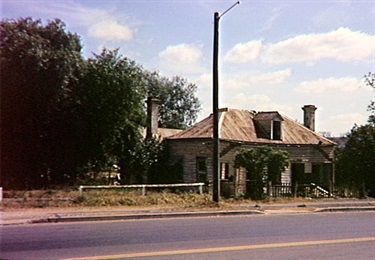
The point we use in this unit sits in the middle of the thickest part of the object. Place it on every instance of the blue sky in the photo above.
(274, 55)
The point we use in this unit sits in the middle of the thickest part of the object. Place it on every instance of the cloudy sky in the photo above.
(274, 54)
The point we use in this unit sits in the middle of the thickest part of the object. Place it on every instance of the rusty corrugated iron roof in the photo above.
(241, 126)
(167, 132)
(163, 132)
(266, 116)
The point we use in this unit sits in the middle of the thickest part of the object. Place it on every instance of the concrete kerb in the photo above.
(197, 214)
(343, 209)
(62, 216)
(147, 216)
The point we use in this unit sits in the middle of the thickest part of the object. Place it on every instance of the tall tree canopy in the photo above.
(370, 81)
(40, 66)
(62, 114)
(111, 110)
(179, 106)
(356, 163)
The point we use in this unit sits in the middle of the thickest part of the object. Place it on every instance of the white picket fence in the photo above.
(200, 185)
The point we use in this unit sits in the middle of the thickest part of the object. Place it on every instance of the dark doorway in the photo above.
(299, 179)
(298, 173)
(322, 174)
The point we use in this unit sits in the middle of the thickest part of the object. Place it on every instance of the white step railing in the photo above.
(322, 191)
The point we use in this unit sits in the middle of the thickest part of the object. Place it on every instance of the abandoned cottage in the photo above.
(311, 155)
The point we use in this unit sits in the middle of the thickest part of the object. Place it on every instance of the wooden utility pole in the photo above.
(215, 108)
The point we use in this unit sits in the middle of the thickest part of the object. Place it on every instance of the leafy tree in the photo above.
(179, 106)
(161, 170)
(40, 65)
(112, 111)
(148, 156)
(370, 81)
(355, 163)
(262, 164)
(278, 161)
(113, 124)
(62, 115)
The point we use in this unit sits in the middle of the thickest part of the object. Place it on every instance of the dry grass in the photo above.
(102, 198)
(134, 198)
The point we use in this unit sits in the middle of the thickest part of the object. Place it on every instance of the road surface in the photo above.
(307, 236)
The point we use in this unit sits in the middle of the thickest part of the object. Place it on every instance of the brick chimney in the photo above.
(309, 116)
(152, 117)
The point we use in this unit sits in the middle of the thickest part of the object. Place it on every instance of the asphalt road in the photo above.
(307, 236)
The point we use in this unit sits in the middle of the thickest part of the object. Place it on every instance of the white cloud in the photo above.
(244, 100)
(329, 17)
(100, 24)
(343, 45)
(244, 52)
(182, 59)
(351, 117)
(111, 31)
(275, 77)
(182, 54)
(342, 123)
(246, 80)
(334, 84)
(272, 20)
(204, 80)
(256, 102)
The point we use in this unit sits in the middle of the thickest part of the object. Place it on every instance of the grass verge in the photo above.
(127, 198)
(102, 198)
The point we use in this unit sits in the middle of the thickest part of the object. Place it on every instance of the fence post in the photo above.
(295, 189)
(201, 189)
(269, 187)
(80, 190)
(143, 190)
(330, 195)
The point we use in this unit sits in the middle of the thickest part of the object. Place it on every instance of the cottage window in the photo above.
(224, 170)
(201, 168)
(276, 130)
(268, 125)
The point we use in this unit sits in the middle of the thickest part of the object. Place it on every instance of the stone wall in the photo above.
(188, 150)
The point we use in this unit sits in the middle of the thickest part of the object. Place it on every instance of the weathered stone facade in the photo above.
(312, 160)
(311, 155)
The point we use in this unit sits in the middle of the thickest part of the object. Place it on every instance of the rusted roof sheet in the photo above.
(273, 115)
(239, 125)
(163, 132)
(166, 132)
